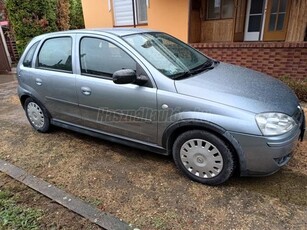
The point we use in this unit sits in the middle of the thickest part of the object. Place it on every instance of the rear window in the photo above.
(56, 54)
(27, 62)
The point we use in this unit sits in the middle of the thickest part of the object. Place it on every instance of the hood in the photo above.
(241, 88)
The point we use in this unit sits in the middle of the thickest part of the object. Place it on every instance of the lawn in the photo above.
(143, 188)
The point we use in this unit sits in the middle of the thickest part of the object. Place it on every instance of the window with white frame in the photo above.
(130, 12)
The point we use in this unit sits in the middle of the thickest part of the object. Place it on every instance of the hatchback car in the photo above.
(149, 90)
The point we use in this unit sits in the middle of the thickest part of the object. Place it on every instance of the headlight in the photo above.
(274, 123)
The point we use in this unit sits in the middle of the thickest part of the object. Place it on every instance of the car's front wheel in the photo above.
(203, 157)
(37, 115)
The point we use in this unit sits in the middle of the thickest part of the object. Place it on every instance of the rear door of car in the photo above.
(127, 110)
(53, 81)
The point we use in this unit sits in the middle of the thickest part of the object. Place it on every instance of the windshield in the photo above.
(170, 56)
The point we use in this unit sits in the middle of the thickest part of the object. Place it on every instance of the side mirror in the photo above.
(124, 76)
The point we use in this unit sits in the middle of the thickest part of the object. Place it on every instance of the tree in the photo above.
(76, 15)
(30, 18)
(63, 11)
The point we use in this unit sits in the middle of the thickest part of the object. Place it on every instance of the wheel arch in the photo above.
(25, 96)
(179, 127)
(23, 99)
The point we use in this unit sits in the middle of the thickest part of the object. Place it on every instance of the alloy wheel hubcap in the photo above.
(35, 115)
(201, 158)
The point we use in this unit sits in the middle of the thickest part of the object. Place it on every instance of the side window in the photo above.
(56, 54)
(27, 62)
(100, 57)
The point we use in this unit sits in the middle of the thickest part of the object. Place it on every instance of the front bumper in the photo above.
(266, 155)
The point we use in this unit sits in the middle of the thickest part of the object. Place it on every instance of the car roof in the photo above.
(122, 31)
(114, 31)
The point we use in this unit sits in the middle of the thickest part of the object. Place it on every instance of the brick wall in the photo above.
(274, 58)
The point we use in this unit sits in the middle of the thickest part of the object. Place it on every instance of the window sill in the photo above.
(140, 24)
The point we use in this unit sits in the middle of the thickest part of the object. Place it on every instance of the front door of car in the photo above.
(53, 80)
(127, 110)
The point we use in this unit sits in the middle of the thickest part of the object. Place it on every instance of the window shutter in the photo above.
(123, 12)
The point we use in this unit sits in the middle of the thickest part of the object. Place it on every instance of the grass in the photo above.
(298, 86)
(14, 216)
(163, 222)
(159, 223)
(94, 202)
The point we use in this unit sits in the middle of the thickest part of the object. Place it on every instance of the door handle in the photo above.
(86, 91)
(38, 81)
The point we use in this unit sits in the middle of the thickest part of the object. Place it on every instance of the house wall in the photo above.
(297, 21)
(195, 22)
(239, 20)
(223, 30)
(96, 13)
(277, 59)
(170, 16)
(217, 30)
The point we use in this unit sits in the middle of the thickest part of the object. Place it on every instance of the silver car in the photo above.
(149, 90)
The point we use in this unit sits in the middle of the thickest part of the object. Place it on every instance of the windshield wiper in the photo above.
(181, 75)
(206, 66)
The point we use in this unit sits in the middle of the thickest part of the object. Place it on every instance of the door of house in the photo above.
(266, 20)
(277, 15)
(254, 20)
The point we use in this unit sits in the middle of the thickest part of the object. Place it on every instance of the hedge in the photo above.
(30, 18)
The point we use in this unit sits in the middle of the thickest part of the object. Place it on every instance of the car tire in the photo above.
(203, 157)
(37, 115)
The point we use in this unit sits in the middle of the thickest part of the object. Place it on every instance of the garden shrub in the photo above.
(298, 86)
(76, 15)
(63, 7)
(30, 18)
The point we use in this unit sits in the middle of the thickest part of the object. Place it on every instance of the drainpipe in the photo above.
(133, 10)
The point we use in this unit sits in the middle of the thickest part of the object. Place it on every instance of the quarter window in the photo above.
(220, 9)
(100, 57)
(124, 15)
(56, 54)
(27, 62)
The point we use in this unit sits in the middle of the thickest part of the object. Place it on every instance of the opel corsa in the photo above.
(149, 90)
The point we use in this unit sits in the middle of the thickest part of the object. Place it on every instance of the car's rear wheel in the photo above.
(37, 115)
(203, 157)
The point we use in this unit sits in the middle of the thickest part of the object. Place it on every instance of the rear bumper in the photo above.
(266, 155)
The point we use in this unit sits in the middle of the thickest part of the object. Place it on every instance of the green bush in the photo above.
(30, 18)
(298, 86)
(76, 15)
(63, 14)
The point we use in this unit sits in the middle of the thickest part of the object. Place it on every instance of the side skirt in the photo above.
(109, 137)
